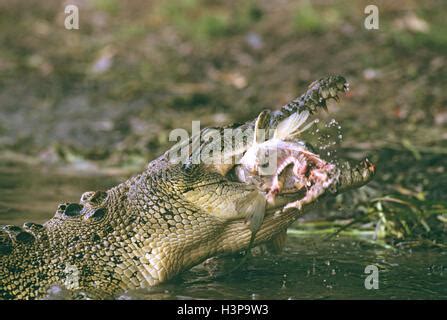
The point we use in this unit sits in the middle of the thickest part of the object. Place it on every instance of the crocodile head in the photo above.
(267, 183)
(250, 207)
(291, 175)
(280, 176)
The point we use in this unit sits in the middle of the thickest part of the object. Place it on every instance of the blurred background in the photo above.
(106, 96)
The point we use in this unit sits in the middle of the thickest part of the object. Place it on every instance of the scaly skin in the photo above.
(149, 228)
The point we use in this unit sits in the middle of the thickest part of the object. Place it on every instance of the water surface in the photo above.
(309, 268)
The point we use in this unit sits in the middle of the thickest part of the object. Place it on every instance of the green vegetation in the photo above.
(307, 19)
(202, 21)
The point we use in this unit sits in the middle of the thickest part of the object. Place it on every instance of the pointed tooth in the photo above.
(333, 92)
(324, 93)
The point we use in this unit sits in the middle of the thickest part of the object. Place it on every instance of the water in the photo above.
(30, 193)
(309, 268)
(325, 136)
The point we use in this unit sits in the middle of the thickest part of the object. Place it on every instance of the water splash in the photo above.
(326, 137)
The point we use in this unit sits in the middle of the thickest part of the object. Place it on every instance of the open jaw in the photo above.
(300, 171)
(301, 176)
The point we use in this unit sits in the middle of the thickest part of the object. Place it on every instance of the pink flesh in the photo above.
(308, 171)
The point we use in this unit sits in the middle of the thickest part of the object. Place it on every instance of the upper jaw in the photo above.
(354, 177)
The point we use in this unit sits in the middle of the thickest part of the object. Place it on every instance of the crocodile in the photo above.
(161, 222)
